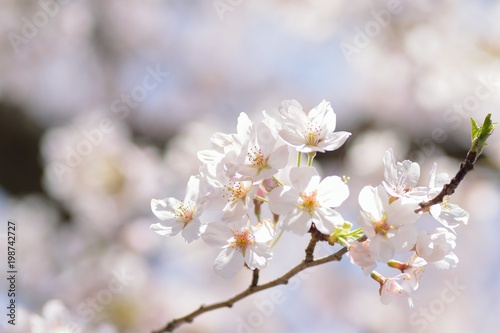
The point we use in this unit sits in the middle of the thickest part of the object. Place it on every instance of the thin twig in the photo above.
(465, 167)
(337, 256)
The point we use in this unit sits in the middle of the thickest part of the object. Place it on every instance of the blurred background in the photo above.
(104, 104)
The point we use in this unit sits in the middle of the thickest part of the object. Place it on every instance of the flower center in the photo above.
(256, 158)
(309, 202)
(382, 227)
(184, 214)
(235, 191)
(313, 136)
(242, 239)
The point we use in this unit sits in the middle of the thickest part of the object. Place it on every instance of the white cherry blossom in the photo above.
(309, 199)
(181, 216)
(261, 157)
(241, 244)
(400, 177)
(436, 247)
(311, 131)
(359, 254)
(389, 226)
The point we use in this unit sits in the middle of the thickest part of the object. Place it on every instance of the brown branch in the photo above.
(337, 256)
(316, 236)
(255, 278)
(448, 189)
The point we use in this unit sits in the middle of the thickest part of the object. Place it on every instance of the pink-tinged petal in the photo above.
(370, 202)
(169, 230)
(332, 191)
(304, 179)
(257, 255)
(298, 222)
(191, 231)
(164, 209)
(326, 219)
(217, 234)
(228, 262)
(283, 200)
(334, 140)
(359, 253)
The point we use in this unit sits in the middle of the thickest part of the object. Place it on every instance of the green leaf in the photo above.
(481, 133)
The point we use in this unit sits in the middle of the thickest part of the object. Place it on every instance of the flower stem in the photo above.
(277, 239)
(310, 158)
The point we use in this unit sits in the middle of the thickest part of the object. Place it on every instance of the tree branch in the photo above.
(337, 256)
(480, 135)
(448, 189)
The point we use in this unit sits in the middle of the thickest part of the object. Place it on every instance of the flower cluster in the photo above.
(250, 168)
(388, 220)
(255, 166)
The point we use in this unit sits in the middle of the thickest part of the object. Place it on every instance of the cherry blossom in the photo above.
(309, 199)
(389, 226)
(359, 254)
(436, 247)
(261, 157)
(181, 216)
(400, 177)
(448, 214)
(242, 244)
(311, 131)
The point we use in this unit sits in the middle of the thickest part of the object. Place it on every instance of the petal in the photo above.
(298, 222)
(191, 231)
(370, 202)
(332, 192)
(257, 255)
(404, 238)
(228, 262)
(170, 230)
(390, 171)
(326, 219)
(410, 171)
(263, 232)
(282, 200)
(163, 209)
(217, 234)
(304, 179)
(334, 140)
(192, 190)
